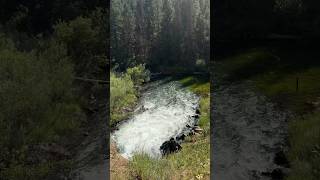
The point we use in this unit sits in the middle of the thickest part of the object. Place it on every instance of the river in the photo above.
(163, 112)
(247, 132)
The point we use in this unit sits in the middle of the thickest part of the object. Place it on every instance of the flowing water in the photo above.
(247, 132)
(163, 112)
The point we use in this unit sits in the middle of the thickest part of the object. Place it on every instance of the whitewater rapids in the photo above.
(164, 111)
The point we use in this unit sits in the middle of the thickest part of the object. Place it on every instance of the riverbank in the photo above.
(290, 79)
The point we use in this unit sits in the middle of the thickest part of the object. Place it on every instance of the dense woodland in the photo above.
(166, 35)
(45, 47)
(247, 19)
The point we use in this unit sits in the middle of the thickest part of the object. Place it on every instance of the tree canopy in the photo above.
(166, 35)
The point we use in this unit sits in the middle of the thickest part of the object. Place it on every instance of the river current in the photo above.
(164, 111)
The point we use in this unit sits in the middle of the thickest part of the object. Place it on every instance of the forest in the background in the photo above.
(167, 36)
(47, 51)
(245, 22)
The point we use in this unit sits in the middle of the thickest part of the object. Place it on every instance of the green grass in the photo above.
(276, 78)
(200, 87)
(247, 64)
(193, 161)
(304, 153)
(148, 168)
(283, 86)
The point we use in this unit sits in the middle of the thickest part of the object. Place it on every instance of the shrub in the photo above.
(122, 95)
(124, 91)
(37, 104)
(138, 74)
(83, 39)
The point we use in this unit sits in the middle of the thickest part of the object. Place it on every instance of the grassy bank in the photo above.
(275, 74)
(193, 161)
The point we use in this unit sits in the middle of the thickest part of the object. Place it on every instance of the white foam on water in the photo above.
(168, 110)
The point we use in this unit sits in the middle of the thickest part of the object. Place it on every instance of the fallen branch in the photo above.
(92, 80)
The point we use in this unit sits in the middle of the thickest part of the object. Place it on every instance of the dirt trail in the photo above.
(118, 164)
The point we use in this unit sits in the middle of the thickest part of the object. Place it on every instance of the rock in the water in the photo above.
(281, 159)
(181, 137)
(195, 116)
(169, 147)
(198, 111)
(276, 174)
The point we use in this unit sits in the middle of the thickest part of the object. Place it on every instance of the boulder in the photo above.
(181, 137)
(169, 147)
(195, 116)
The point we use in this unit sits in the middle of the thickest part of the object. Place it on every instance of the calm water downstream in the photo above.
(163, 112)
(247, 132)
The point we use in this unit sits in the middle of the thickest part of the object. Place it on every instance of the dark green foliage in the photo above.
(43, 47)
(37, 103)
(252, 20)
(39, 16)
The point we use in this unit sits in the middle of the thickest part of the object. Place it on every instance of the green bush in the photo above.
(122, 95)
(86, 43)
(138, 74)
(37, 104)
(124, 91)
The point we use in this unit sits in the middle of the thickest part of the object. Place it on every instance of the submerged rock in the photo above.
(281, 159)
(169, 147)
